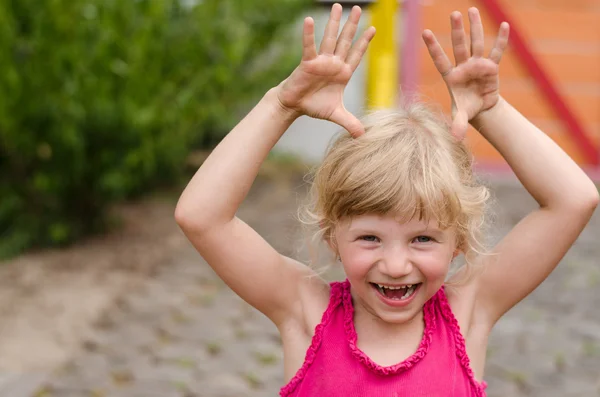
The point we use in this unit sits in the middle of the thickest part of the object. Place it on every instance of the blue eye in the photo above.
(370, 238)
(423, 239)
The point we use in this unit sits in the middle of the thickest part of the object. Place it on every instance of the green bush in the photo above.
(100, 100)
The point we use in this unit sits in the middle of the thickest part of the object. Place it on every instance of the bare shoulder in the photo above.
(462, 292)
(462, 298)
(297, 332)
(314, 293)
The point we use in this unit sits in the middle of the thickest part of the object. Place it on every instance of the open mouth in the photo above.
(396, 293)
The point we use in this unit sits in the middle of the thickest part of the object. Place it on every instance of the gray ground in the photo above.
(181, 332)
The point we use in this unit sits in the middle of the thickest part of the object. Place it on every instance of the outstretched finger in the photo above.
(348, 121)
(331, 30)
(345, 41)
(477, 36)
(459, 40)
(359, 48)
(309, 49)
(501, 43)
(439, 57)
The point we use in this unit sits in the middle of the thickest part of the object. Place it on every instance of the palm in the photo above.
(473, 82)
(474, 86)
(317, 85)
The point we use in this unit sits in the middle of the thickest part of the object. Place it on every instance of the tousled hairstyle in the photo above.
(406, 164)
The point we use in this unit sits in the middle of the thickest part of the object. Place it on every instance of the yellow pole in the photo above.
(382, 62)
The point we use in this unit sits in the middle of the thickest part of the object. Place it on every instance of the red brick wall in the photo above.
(564, 36)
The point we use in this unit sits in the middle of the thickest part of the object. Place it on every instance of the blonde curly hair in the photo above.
(407, 164)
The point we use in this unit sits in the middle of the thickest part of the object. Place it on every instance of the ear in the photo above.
(330, 240)
(332, 244)
(455, 254)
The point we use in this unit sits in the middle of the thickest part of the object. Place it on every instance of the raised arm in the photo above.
(566, 196)
(567, 199)
(206, 210)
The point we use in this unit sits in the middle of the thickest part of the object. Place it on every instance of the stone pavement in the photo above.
(185, 334)
(20, 385)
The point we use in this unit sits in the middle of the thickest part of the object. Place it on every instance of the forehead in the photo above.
(388, 222)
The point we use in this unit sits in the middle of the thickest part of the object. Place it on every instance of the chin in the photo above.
(399, 317)
(395, 315)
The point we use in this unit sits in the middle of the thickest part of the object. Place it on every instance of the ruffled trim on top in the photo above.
(461, 349)
(334, 301)
(428, 318)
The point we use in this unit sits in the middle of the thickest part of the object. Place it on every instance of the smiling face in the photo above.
(407, 164)
(394, 267)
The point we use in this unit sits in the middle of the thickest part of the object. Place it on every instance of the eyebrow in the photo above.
(426, 230)
(363, 230)
(370, 230)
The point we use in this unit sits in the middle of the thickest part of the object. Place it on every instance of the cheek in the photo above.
(357, 262)
(434, 265)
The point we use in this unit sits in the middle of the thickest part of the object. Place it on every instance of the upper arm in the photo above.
(525, 257)
(272, 283)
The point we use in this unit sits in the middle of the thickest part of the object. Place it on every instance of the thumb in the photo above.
(348, 121)
(460, 124)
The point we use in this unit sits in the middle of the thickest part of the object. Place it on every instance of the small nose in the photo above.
(396, 263)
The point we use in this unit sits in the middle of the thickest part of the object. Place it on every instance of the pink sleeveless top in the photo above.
(335, 366)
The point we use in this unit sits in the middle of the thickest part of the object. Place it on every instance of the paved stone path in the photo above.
(184, 334)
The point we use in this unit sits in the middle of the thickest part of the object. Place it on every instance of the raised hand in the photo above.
(473, 83)
(316, 86)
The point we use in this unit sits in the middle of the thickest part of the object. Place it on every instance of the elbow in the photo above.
(590, 204)
(591, 198)
(580, 202)
(594, 199)
(586, 202)
(197, 219)
(181, 216)
(188, 219)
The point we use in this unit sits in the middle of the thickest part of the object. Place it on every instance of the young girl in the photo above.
(396, 200)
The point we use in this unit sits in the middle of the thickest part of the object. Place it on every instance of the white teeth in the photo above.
(408, 293)
(408, 290)
(390, 287)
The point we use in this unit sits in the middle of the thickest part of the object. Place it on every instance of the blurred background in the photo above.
(107, 107)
